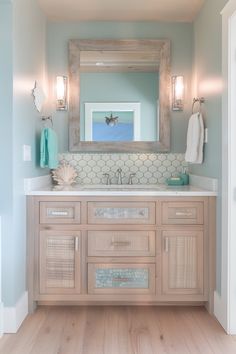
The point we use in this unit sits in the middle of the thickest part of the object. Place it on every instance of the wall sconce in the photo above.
(61, 93)
(177, 93)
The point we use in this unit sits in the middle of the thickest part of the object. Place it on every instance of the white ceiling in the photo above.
(121, 10)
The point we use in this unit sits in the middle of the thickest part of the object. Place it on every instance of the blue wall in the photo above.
(6, 143)
(22, 61)
(180, 34)
(208, 78)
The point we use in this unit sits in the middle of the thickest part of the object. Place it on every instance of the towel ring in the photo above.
(45, 119)
(200, 100)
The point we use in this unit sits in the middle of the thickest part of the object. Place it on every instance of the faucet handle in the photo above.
(108, 178)
(131, 178)
(119, 175)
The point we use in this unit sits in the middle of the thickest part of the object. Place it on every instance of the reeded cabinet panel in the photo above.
(182, 262)
(59, 262)
(121, 213)
(121, 243)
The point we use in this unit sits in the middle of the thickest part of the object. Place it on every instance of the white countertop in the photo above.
(123, 190)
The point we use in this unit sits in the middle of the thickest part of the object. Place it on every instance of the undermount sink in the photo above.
(121, 187)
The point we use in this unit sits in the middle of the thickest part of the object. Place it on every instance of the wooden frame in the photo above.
(163, 48)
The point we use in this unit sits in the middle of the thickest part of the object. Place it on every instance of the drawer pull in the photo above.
(76, 244)
(59, 213)
(120, 279)
(120, 243)
(142, 213)
(166, 246)
(182, 213)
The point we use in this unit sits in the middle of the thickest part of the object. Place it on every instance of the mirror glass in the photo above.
(119, 92)
(119, 77)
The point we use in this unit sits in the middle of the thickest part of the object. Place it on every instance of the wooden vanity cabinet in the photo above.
(122, 250)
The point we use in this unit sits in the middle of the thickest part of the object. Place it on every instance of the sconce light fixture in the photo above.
(177, 93)
(61, 93)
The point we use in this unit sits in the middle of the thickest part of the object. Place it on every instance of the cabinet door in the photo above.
(182, 262)
(59, 262)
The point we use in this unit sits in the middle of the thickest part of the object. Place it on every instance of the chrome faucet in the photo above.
(108, 178)
(119, 176)
(131, 178)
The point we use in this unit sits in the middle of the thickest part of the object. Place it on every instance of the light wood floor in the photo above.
(119, 330)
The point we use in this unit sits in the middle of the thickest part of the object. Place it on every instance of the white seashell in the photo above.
(65, 174)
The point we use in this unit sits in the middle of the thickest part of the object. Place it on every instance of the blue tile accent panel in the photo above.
(122, 278)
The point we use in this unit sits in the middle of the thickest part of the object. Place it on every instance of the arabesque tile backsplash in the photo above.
(148, 168)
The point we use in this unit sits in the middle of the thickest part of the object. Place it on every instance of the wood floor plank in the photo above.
(72, 337)
(93, 341)
(49, 337)
(116, 340)
(119, 330)
(171, 337)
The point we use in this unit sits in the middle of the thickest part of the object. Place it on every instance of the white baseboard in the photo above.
(220, 311)
(14, 316)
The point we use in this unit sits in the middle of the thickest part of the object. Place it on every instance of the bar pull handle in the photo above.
(120, 279)
(182, 213)
(76, 244)
(120, 243)
(59, 213)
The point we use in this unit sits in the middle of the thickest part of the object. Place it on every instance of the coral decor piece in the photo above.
(65, 175)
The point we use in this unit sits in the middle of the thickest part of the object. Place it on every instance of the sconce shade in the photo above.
(177, 93)
(61, 93)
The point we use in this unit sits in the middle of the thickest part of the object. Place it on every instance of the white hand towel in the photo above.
(201, 140)
(195, 139)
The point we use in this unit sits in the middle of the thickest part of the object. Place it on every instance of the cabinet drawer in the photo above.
(121, 213)
(121, 279)
(59, 212)
(121, 243)
(182, 213)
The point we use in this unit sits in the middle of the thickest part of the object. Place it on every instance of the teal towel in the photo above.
(48, 149)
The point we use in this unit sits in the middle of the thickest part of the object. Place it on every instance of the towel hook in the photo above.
(200, 100)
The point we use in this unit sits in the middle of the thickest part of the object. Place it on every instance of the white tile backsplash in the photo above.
(149, 168)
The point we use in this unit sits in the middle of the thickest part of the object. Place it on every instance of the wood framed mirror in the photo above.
(119, 56)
